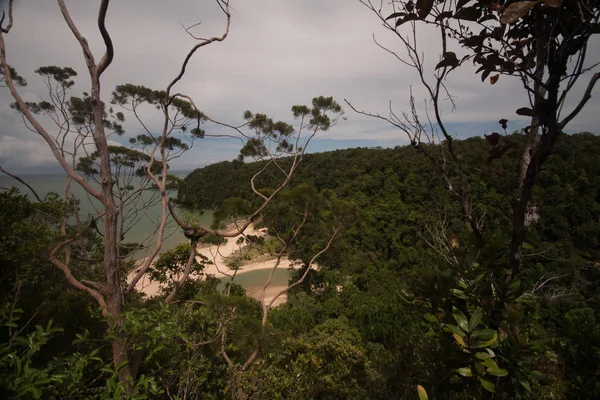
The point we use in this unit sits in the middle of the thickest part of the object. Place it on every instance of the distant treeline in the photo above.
(398, 189)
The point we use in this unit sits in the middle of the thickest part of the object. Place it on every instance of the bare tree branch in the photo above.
(10, 18)
(586, 97)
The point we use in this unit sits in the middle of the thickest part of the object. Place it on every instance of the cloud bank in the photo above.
(278, 53)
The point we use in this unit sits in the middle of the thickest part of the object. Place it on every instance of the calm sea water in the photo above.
(253, 281)
(143, 223)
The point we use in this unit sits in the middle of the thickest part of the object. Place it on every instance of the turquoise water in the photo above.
(254, 280)
(142, 223)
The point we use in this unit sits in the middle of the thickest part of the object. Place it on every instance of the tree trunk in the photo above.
(111, 222)
(119, 350)
(547, 116)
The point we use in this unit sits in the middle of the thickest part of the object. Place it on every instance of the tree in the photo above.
(77, 131)
(543, 44)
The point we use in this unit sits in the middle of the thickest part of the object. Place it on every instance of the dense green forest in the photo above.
(442, 269)
(376, 319)
(399, 192)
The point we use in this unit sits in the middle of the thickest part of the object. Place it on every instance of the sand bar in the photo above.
(218, 256)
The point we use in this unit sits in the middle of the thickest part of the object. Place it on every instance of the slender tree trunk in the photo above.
(533, 136)
(548, 118)
(119, 350)
(111, 222)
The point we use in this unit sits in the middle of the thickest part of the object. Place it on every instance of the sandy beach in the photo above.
(218, 256)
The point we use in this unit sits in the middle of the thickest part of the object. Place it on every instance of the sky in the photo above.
(278, 53)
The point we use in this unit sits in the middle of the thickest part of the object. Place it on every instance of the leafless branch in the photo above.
(224, 4)
(188, 268)
(586, 97)
(10, 18)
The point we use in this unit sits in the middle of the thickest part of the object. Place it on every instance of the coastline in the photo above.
(218, 256)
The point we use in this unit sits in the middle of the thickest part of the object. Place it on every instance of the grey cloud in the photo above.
(278, 53)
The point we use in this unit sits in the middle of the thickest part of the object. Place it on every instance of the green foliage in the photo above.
(170, 265)
(419, 306)
(232, 209)
(61, 75)
(212, 239)
(18, 377)
(184, 115)
(276, 138)
(329, 362)
(405, 298)
(71, 110)
(17, 79)
(121, 158)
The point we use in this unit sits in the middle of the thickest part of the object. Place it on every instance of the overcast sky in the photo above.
(278, 53)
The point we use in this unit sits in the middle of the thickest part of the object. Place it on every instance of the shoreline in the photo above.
(218, 255)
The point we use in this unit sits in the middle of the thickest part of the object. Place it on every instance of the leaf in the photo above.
(459, 293)
(457, 330)
(485, 74)
(409, 17)
(503, 122)
(525, 111)
(460, 319)
(491, 364)
(494, 79)
(396, 15)
(459, 340)
(430, 318)
(516, 10)
(475, 319)
(482, 356)
(479, 343)
(465, 371)
(515, 284)
(422, 393)
(553, 3)
(526, 385)
(468, 13)
(424, 7)
(521, 339)
(444, 15)
(484, 334)
(487, 385)
(538, 375)
(449, 59)
(497, 372)
(480, 368)
(515, 313)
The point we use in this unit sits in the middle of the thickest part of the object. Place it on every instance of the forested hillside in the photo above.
(377, 318)
(444, 269)
(399, 193)
(364, 279)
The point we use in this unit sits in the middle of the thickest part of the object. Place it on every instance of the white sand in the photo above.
(219, 269)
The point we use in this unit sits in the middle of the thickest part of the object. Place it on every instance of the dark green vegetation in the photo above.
(386, 311)
(446, 270)
(398, 283)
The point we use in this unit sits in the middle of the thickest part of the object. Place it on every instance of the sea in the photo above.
(145, 222)
(144, 216)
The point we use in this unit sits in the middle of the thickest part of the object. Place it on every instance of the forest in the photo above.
(360, 326)
(448, 267)
(388, 253)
